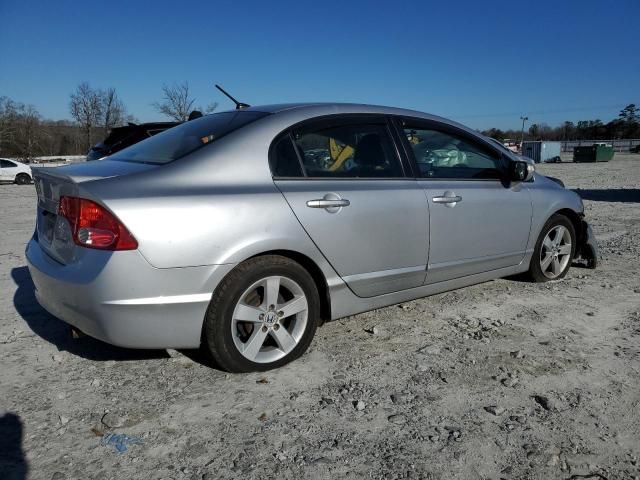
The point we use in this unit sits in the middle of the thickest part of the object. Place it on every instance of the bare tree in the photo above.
(209, 108)
(8, 115)
(86, 108)
(113, 110)
(29, 132)
(21, 132)
(176, 102)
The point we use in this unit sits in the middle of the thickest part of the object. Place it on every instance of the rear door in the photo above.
(478, 221)
(345, 182)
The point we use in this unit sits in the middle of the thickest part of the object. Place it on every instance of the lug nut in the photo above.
(276, 327)
(261, 316)
(281, 314)
(264, 328)
(272, 307)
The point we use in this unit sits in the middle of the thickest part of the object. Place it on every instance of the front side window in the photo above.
(184, 139)
(7, 164)
(350, 150)
(444, 155)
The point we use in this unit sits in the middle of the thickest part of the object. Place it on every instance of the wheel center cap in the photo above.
(270, 318)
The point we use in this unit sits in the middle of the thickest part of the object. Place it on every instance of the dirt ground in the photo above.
(505, 379)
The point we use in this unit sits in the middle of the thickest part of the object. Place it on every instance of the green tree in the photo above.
(495, 133)
(630, 114)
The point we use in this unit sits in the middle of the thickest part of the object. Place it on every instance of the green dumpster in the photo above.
(595, 153)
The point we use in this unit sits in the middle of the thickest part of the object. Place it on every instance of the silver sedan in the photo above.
(242, 231)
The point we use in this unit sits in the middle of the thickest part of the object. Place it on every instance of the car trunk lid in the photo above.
(53, 230)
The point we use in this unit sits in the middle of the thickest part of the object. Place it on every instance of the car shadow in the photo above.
(55, 331)
(624, 195)
(13, 464)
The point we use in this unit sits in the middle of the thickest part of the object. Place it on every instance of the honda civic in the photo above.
(242, 231)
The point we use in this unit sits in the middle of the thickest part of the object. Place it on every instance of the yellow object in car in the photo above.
(339, 154)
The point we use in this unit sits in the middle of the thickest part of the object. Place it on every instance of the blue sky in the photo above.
(483, 63)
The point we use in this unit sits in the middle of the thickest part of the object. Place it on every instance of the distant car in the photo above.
(15, 172)
(555, 159)
(123, 137)
(635, 149)
(234, 233)
(509, 150)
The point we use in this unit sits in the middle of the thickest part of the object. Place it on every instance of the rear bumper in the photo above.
(118, 297)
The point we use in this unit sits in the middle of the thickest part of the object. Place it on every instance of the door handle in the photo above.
(456, 199)
(324, 203)
(448, 198)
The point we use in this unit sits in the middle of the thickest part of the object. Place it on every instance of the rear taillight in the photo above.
(94, 226)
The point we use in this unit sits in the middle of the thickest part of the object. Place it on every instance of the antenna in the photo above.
(239, 105)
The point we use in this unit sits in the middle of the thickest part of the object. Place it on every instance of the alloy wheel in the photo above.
(269, 319)
(555, 253)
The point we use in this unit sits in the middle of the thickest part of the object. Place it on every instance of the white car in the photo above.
(15, 172)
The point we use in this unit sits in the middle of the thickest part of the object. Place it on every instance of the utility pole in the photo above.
(524, 119)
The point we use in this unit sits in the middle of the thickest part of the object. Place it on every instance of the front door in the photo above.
(351, 195)
(478, 223)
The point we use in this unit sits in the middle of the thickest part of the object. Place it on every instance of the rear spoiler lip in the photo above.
(57, 174)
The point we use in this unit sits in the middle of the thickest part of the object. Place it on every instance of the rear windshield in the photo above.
(179, 141)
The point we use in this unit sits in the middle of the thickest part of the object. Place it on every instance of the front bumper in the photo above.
(118, 297)
(587, 246)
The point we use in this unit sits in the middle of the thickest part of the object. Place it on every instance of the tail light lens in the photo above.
(93, 226)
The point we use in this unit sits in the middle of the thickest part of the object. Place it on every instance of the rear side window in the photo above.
(124, 139)
(179, 141)
(7, 164)
(284, 160)
(350, 150)
(440, 154)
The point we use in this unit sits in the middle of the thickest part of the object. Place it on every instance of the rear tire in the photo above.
(554, 250)
(23, 179)
(253, 324)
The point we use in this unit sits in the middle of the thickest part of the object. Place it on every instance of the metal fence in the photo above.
(57, 159)
(618, 145)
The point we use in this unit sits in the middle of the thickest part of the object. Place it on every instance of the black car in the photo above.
(635, 149)
(123, 137)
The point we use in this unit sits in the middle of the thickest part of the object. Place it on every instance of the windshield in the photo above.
(179, 141)
(500, 145)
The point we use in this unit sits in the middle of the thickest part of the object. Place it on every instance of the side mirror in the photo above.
(520, 171)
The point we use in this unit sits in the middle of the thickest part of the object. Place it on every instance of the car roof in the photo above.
(313, 109)
(146, 125)
(355, 107)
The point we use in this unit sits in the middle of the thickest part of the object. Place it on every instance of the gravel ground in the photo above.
(501, 380)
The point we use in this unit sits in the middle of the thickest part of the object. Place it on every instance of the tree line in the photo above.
(25, 134)
(625, 125)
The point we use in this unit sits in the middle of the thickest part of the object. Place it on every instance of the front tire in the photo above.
(23, 179)
(263, 315)
(554, 251)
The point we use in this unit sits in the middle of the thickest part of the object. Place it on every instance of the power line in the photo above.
(541, 112)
